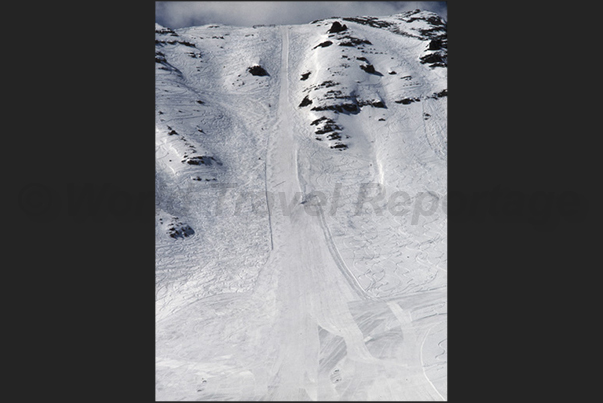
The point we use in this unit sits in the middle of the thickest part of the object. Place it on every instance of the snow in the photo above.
(286, 287)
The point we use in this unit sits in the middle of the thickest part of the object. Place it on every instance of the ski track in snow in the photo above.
(308, 304)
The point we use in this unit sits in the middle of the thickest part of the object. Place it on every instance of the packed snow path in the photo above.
(309, 329)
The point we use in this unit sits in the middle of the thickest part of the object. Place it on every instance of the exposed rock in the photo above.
(371, 21)
(305, 76)
(349, 41)
(435, 21)
(375, 103)
(369, 68)
(436, 58)
(180, 231)
(436, 44)
(323, 44)
(185, 43)
(408, 100)
(337, 27)
(165, 30)
(441, 94)
(321, 119)
(335, 94)
(199, 160)
(325, 84)
(432, 33)
(257, 70)
(328, 128)
(305, 102)
(342, 108)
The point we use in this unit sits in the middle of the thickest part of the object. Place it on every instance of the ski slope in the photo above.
(272, 281)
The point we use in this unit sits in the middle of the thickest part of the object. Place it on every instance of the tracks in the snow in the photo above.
(311, 327)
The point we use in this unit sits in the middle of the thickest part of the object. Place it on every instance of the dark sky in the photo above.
(248, 13)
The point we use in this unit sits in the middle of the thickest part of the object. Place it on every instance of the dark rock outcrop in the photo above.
(180, 231)
(337, 27)
(199, 160)
(159, 57)
(350, 41)
(323, 44)
(436, 44)
(369, 68)
(321, 119)
(441, 94)
(185, 43)
(165, 31)
(341, 108)
(305, 102)
(436, 59)
(376, 104)
(371, 21)
(327, 128)
(257, 70)
(408, 100)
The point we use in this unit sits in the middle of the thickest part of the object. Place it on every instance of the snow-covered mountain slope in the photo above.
(301, 226)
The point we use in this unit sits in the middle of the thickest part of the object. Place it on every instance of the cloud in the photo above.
(248, 13)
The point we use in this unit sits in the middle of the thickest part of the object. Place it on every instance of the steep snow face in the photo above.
(300, 202)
